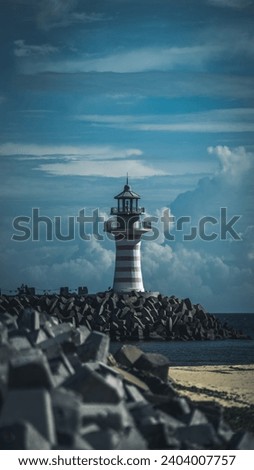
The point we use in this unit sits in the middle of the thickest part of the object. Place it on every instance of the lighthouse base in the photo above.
(127, 286)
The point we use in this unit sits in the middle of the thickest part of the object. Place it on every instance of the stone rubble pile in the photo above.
(134, 316)
(60, 388)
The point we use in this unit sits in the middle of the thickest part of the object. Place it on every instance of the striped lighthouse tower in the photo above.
(127, 229)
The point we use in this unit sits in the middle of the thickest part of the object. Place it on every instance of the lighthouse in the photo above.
(126, 227)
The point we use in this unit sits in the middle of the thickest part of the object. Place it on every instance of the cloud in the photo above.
(132, 61)
(108, 161)
(147, 59)
(105, 168)
(195, 273)
(214, 121)
(231, 186)
(63, 13)
(233, 162)
(49, 267)
(87, 151)
(222, 270)
(26, 50)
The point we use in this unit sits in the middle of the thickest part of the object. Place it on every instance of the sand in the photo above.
(227, 385)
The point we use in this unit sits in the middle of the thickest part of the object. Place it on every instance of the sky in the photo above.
(93, 89)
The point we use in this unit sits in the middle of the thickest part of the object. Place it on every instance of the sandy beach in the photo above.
(231, 385)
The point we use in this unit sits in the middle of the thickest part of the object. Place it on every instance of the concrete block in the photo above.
(30, 370)
(115, 416)
(132, 379)
(93, 387)
(59, 363)
(37, 337)
(67, 409)
(134, 395)
(32, 405)
(155, 364)
(202, 435)
(101, 439)
(95, 348)
(177, 407)
(20, 341)
(150, 425)
(64, 291)
(127, 355)
(132, 439)
(242, 441)
(73, 442)
(3, 334)
(197, 417)
(9, 321)
(64, 332)
(22, 436)
(29, 319)
(83, 333)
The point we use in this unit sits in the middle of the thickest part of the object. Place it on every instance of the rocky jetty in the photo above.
(60, 388)
(133, 316)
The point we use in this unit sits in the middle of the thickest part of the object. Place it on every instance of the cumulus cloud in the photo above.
(26, 50)
(233, 162)
(205, 278)
(219, 272)
(49, 267)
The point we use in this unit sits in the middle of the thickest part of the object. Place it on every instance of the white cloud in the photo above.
(87, 151)
(233, 162)
(195, 127)
(205, 278)
(57, 266)
(218, 120)
(105, 168)
(26, 50)
(108, 161)
(220, 272)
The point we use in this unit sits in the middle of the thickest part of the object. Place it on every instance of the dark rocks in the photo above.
(32, 405)
(242, 441)
(133, 316)
(94, 348)
(61, 389)
(22, 435)
(127, 355)
(93, 387)
(155, 364)
(30, 370)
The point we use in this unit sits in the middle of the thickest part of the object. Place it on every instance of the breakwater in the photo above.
(133, 316)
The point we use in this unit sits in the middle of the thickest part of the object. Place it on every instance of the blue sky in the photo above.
(91, 90)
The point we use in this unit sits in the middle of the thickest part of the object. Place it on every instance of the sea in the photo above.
(198, 353)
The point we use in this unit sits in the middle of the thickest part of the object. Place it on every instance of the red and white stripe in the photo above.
(128, 274)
